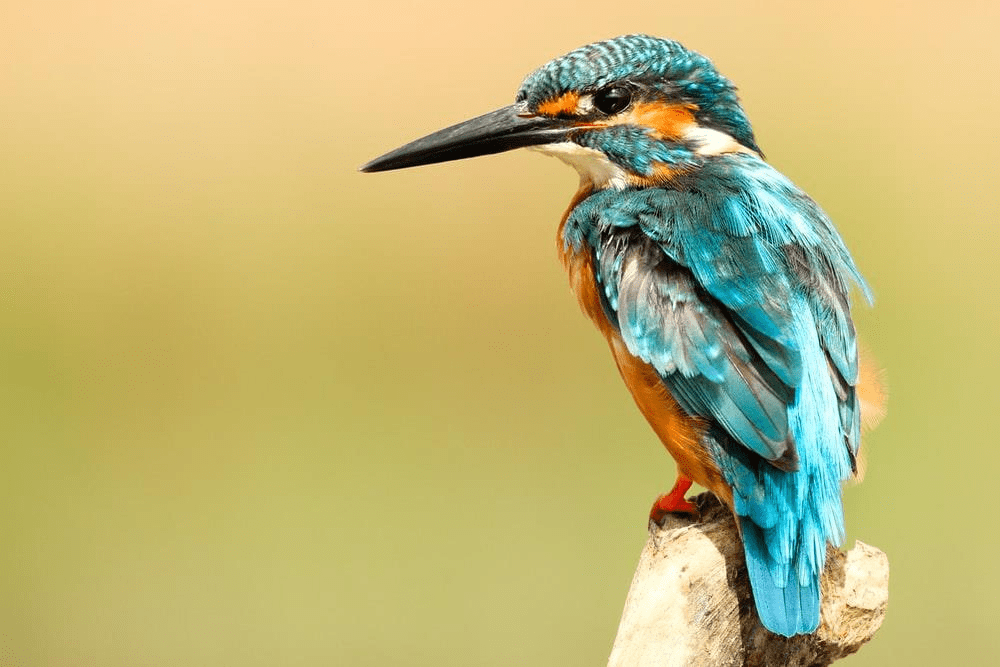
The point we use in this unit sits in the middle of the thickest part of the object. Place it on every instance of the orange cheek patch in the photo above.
(564, 104)
(667, 121)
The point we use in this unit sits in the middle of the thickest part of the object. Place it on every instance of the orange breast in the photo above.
(680, 433)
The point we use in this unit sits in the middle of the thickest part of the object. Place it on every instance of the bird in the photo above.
(722, 289)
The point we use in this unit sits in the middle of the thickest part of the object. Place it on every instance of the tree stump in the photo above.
(690, 602)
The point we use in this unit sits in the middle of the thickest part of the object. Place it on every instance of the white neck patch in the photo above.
(597, 170)
(713, 142)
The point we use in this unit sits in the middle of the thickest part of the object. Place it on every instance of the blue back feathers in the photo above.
(733, 284)
(677, 71)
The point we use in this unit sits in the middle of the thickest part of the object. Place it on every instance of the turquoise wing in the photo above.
(733, 286)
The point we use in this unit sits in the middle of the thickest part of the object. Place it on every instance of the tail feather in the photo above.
(787, 518)
(785, 604)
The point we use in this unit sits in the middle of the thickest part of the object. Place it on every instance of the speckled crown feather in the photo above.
(663, 63)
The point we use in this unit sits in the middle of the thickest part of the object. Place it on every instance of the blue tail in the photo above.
(786, 607)
(788, 516)
(786, 521)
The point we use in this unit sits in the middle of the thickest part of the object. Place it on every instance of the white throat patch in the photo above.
(594, 167)
(598, 171)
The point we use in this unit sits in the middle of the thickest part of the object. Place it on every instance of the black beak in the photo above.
(498, 131)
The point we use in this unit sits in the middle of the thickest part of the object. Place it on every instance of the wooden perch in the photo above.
(690, 602)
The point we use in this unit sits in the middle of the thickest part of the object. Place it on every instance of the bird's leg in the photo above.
(673, 501)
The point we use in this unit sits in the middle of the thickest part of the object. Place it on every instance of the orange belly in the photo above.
(680, 433)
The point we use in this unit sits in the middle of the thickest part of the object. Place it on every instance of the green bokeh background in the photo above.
(257, 408)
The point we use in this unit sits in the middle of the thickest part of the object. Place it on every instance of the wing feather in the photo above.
(669, 321)
(733, 285)
(700, 279)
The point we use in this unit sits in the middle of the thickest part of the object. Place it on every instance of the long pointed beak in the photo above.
(498, 131)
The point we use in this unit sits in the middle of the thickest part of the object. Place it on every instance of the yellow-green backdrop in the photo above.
(257, 408)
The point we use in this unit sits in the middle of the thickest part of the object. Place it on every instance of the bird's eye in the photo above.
(612, 100)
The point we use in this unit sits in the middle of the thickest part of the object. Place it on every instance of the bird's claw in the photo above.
(666, 504)
(674, 502)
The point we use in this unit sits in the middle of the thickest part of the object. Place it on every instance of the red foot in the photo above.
(673, 501)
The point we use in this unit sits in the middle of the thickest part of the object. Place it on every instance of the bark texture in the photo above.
(690, 602)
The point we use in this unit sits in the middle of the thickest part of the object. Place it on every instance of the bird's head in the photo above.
(634, 110)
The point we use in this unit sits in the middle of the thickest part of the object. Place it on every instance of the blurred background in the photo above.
(257, 408)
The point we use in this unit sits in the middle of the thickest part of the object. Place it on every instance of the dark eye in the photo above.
(612, 100)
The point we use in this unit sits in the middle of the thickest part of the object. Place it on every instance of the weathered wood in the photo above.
(690, 602)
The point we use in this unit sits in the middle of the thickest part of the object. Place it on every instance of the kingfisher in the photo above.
(721, 288)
